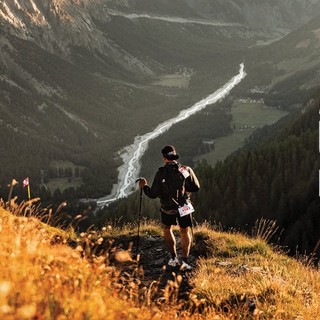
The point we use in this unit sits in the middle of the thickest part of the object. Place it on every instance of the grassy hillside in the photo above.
(42, 277)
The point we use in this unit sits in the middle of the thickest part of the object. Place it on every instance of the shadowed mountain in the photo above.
(287, 72)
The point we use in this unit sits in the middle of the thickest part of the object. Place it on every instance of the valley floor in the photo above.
(247, 117)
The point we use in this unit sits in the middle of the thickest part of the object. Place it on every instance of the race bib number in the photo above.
(186, 209)
(184, 171)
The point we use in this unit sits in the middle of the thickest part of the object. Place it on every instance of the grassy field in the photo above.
(173, 80)
(64, 183)
(247, 116)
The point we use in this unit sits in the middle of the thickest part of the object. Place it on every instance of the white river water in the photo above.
(132, 154)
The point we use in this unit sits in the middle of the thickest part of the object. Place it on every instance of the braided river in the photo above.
(131, 155)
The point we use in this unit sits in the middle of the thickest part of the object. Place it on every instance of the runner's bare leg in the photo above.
(170, 240)
(185, 242)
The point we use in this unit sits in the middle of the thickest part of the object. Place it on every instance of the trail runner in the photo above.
(173, 183)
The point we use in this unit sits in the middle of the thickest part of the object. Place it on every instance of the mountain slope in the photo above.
(42, 277)
(73, 81)
(276, 180)
(287, 72)
(75, 76)
(270, 14)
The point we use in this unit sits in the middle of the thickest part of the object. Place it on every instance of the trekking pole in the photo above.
(139, 214)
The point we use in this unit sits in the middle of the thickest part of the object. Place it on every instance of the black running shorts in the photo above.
(171, 220)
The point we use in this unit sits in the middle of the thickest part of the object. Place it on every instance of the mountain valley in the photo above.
(79, 80)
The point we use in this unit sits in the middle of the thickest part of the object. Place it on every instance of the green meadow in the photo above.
(247, 116)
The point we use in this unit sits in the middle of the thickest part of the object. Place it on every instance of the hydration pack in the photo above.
(173, 186)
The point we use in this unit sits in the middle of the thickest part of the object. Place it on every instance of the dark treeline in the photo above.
(278, 180)
(32, 158)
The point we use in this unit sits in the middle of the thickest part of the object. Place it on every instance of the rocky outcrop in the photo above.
(60, 25)
(55, 18)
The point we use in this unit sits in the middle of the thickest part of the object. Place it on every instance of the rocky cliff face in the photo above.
(54, 22)
(59, 25)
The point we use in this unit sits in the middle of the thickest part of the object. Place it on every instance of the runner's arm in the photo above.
(155, 190)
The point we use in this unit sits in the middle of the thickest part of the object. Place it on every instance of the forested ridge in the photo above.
(277, 180)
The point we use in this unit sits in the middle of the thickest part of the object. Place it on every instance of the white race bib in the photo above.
(184, 171)
(185, 210)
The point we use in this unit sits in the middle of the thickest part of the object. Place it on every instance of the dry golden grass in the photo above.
(41, 278)
(38, 278)
(245, 279)
(241, 278)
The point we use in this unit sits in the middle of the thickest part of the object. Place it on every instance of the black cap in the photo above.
(169, 152)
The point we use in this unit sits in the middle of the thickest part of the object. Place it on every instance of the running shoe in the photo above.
(173, 262)
(185, 266)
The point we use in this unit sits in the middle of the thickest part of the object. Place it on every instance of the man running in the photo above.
(173, 184)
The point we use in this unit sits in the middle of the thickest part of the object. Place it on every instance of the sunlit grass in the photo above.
(147, 228)
(44, 279)
(40, 278)
(243, 276)
(237, 277)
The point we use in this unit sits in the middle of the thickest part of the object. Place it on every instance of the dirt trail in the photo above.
(153, 263)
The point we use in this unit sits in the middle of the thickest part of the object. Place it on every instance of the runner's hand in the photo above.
(143, 182)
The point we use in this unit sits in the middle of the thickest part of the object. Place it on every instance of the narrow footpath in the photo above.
(151, 267)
